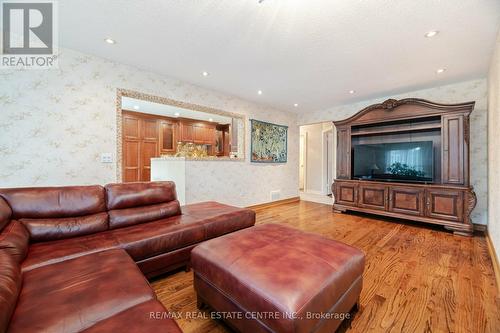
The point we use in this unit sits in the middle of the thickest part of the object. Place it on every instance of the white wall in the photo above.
(494, 149)
(474, 90)
(55, 123)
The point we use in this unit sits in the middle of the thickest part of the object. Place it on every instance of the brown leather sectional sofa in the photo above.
(73, 259)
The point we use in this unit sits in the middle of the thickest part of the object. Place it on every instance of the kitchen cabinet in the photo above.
(167, 137)
(140, 143)
(186, 131)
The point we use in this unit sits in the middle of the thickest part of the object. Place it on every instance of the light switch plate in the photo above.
(106, 158)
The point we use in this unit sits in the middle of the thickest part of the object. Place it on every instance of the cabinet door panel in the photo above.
(186, 132)
(373, 196)
(167, 137)
(149, 150)
(406, 200)
(445, 204)
(344, 153)
(210, 136)
(131, 160)
(453, 149)
(346, 194)
(131, 127)
(150, 129)
(198, 134)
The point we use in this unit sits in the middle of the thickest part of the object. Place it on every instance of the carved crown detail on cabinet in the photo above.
(448, 200)
(390, 104)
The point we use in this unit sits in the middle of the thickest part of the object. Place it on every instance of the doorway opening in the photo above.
(317, 162)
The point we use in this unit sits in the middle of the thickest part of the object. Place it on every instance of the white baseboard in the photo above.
(319, 198)
(314, 192)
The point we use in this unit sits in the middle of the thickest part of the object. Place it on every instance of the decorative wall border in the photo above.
(168, 101)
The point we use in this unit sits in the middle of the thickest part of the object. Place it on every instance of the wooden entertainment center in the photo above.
(447, 200)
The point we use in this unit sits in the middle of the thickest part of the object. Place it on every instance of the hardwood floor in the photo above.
(417, 279)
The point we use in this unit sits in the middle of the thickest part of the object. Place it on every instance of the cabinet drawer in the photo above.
(346, 194)
(373, 196)
(406, 200)
(445, 204)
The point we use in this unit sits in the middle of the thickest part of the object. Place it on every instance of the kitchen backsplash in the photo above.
(186, 149)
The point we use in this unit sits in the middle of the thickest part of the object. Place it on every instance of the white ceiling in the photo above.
(138, 105)
(310, 52)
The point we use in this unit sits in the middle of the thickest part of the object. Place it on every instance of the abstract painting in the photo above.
(268, 142)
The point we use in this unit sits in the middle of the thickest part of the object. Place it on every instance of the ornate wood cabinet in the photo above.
(448, 200)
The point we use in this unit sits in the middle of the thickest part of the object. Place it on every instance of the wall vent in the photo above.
(275, 195)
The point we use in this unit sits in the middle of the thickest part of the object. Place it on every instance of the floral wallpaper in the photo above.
(54, 124)
(494, 148)
(474, 90)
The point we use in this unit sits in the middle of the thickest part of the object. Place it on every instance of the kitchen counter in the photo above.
(208, 158)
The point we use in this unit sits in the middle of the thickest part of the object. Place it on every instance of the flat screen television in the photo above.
(400, 161)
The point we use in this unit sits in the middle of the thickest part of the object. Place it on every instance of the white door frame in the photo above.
(324, 159)
(304, 160)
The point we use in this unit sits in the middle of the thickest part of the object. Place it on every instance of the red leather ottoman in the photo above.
(273, 278)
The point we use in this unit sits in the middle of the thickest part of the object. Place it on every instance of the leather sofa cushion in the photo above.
(198, 222)
(120, 218)
(10, 285)
(73, 295)
(128, 195)
(66, 227)
(5, 214)
(46, 253)
(274, 268)
(148, 316)
(154, 238)
(14, 239)
(135, 203)
(51, 213)
(220, 219)
(54, 202)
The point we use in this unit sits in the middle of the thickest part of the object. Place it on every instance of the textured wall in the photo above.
(55, 123)
(475, 90)
(494, 148)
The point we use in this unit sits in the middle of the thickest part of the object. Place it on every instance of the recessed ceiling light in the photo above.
(110, 41)
(136, 107)
(431, 33)
(259, 92)
(440, 70)
(210, 119)
(296, 105)
(177, 114)
(205, 73)
(352, 91)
